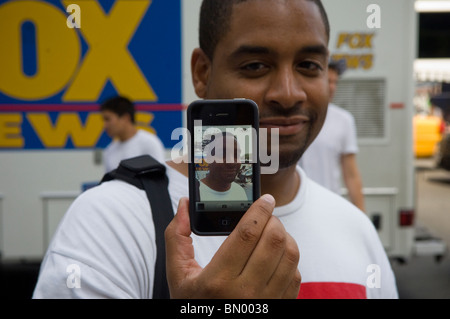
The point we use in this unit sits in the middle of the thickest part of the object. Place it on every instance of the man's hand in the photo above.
(258, 260)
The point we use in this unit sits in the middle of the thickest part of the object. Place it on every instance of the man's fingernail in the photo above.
(269, 199)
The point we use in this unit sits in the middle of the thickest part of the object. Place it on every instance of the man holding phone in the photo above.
(274, 53)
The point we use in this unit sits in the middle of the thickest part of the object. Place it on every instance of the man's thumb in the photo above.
(180, 262)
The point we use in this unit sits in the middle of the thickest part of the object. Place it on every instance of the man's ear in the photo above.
(126, 117)
(200, 68)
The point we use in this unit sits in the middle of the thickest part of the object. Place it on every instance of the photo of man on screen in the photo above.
(220, 182)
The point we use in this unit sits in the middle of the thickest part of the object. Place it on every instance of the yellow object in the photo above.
(427, 134)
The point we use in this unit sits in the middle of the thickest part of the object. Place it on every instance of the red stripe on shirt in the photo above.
(331, 290)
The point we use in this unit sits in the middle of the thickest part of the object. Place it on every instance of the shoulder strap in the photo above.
(148, 174)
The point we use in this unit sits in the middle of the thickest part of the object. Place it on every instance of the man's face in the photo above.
(112, 123)
(226, 169)
(274, 53)
(333, 79)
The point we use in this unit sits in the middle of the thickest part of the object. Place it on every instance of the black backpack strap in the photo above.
(148, 174)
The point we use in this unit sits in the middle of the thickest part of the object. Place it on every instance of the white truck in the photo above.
(378, 40)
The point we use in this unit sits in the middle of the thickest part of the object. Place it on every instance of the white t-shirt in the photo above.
(322, 160)
(107, 239)
(236, 192)
(141, 143)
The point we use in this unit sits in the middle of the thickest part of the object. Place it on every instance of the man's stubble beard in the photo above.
(290, 158)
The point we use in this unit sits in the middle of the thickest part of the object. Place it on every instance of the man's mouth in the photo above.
(287, 126)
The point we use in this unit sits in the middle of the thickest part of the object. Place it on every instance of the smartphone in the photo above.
(224, 168)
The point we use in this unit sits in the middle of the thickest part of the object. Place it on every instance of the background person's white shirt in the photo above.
(322, 159)
(141, 143)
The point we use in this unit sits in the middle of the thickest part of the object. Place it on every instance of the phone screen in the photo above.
(224, 173)
(223, 168)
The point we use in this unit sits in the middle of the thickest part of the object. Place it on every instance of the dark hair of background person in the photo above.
(119, 105)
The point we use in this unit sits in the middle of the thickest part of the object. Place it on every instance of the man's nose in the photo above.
(286, 89)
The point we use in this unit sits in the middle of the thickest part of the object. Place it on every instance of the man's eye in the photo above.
(254, 67)
(310, 66)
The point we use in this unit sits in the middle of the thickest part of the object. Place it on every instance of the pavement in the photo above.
(423, 277)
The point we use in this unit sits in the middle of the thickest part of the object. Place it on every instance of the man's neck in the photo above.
(283, 185)
(216, 184)
(127, 134)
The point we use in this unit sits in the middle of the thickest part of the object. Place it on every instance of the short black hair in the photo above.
(339, 66)
(119, 105)
(215, 21)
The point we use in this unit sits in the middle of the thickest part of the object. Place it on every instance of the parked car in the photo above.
(428, 131)
(443, 160)
(442, 101)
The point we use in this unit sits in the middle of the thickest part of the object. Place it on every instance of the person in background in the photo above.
(128, 141)
(333, 152)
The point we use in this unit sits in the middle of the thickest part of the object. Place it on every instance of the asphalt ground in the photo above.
(423, 277)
